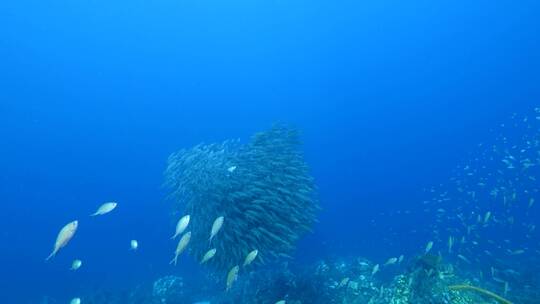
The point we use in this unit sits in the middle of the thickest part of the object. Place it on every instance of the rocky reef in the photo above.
(424, 279)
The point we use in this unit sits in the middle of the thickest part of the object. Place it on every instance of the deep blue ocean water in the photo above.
(94, 95)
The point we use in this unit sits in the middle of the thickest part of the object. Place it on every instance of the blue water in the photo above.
(94, 95)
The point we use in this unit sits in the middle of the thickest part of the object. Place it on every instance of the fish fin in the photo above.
(174, 260)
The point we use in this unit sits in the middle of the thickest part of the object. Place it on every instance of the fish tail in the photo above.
(51, 256)
(94, 214)
(174, 260)
(174, 236)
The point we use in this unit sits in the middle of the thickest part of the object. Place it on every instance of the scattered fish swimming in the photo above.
(250, 257)
(428, 247)
(216, 227)
(390, 261)
(232, 276)
(181, 226)
(182, 244)
(208, 255)
(76, 264)
(64, 236)
(105, 208)
(375, 269)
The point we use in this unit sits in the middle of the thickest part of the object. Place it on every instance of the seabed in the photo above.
(424, 279)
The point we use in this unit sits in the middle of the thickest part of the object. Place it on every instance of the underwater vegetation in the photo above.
(240, 198)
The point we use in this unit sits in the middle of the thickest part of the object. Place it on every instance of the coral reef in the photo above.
(169, 287)
(263, 190)
(329, 281)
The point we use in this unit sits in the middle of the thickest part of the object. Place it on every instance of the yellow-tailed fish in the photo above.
(232, 276)
(208, 255)
(182, 244)
(216, 226)
(250, 257)
(65, 234)
(181, 226)
(105, 208)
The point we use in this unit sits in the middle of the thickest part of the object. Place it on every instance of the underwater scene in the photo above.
(269, 152)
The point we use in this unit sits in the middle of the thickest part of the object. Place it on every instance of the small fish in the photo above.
(375, 269)
(450, 244)
(64, 236)
(75, 301)
(208, 255)
(390, 261)
(134, 244)
(343, 282)
(487, 216)
(429, 246)
(182, 244)
(76, 264)
(517, 252)
(232, 276)
(463, 258)
(280, 302)
(105, 208)
(231, 169)
(216, 226)
(400, 259)
(250, 257)
(498, 280)
(181, 225)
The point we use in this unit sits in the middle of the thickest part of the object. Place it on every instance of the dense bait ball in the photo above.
(262, 190)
